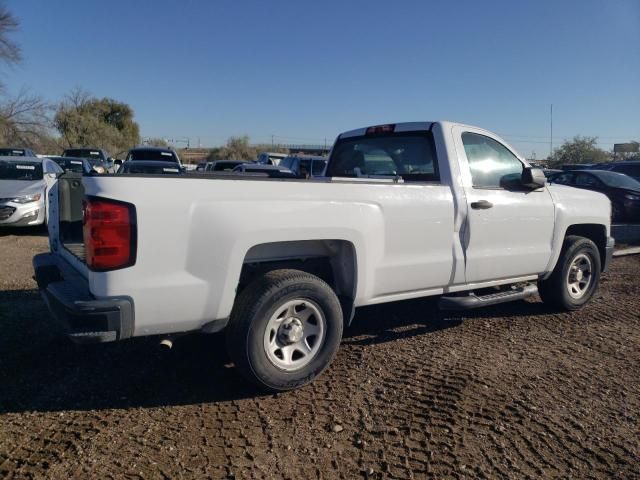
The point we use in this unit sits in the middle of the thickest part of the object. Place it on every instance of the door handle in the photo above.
(481, 205)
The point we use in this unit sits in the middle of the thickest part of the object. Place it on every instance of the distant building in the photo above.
(193, 155)
(320, 150)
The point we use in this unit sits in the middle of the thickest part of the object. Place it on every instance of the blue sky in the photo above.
(306, 70)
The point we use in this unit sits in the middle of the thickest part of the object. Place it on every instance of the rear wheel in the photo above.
(285, 329)
(575, 277)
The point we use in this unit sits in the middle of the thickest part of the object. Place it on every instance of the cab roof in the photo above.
(397, 127)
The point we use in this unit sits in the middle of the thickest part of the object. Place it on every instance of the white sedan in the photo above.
(24, 184)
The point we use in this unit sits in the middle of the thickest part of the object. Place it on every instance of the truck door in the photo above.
(509, 229)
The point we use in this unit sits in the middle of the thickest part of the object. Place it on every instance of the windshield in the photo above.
(72, 166)
(617, 180)
(20, 171)
(409, 155)
(158, 155)
(149, 169)
(83, 153)
(11, 152)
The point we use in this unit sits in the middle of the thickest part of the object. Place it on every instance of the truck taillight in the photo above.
(378, 129)
(109, 234)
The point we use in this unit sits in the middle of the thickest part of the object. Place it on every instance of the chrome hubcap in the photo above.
(579, 276)
(291, 331)
(294, 334)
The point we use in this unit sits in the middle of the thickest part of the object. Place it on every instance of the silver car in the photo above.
(24, 184)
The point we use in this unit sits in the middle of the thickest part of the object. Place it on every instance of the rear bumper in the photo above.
(608, 253)
(84, 318)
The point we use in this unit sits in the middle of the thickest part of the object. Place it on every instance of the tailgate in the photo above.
(65, 220)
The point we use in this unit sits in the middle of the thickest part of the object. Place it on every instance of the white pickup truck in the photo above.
(406, 210)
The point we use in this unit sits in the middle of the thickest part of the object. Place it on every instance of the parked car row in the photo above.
(298, 166)
(628, 167)
(621, 189)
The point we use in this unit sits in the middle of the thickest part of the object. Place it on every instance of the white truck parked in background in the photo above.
(405, 210)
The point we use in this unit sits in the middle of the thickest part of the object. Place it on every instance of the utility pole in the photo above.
(271, 142)
(551, 138)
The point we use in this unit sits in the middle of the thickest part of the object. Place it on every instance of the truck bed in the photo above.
(70, 198)
(77, 249)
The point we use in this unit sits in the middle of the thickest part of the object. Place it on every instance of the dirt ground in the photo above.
(513, 391)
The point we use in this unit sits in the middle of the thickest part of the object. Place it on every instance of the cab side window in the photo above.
(586, 180)
(492, 164)
(563, 178)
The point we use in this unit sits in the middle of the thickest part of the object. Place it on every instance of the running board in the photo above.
(474, 301)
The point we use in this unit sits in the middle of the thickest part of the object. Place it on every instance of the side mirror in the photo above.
(533, 178)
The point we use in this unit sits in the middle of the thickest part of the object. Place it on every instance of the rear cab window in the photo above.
(408, 155)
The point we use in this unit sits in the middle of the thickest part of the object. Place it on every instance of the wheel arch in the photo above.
(596, 232)
(334, 261)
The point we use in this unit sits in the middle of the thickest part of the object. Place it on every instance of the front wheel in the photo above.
(576, 276)
(285, 329)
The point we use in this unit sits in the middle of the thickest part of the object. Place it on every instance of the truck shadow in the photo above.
(394, 321)
(39, 231)
(41, 371)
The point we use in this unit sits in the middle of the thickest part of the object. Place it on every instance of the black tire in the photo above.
(555, 290)
(253, 309)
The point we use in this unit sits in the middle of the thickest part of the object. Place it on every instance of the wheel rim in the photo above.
(579, 276)
(294, 334)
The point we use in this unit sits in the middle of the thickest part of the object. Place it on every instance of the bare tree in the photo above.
(24, 119)
(77, 98)
(9, 51)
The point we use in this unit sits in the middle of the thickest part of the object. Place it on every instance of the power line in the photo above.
(622, 137)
